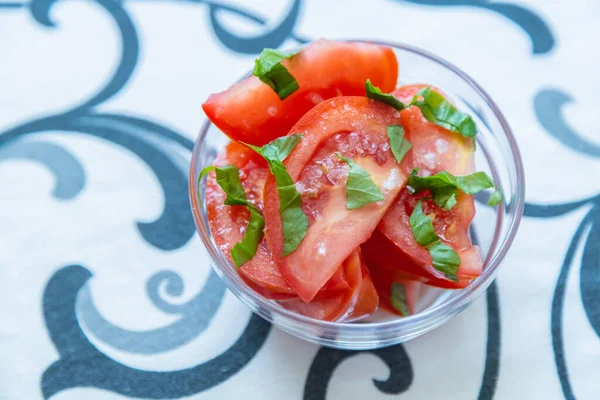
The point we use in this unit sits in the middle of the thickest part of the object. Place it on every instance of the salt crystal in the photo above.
(300, 187)
(385, 146)
(353, 139)
(337, 174)
(242, 229)
(328, 162)
(425, 172)
(396, 114)
(316, 215)
(315, 97)
(371, 148)
(313, 172)
(441, 146)
(272, 111)
(321, 249)
(392, 180)
(429, 159)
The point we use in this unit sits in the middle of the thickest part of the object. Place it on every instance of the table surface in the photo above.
(106, 290)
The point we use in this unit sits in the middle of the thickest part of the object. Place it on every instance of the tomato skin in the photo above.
(250, 111)
(434, 149)
(383, 281)
(339, 231)
(261, 272)
(359, 300)
(384, 256)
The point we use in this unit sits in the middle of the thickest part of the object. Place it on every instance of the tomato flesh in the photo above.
(383, 280)
(358, 300)
(250, 111)
(434, 149)
(356, 127)
(227, 224)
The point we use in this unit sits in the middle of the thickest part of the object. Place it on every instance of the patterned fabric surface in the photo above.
(108, 293)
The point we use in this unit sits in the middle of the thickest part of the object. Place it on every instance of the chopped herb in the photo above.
(398, 299)
(437, 109)
(434, 107)
(268, 68)
(360, 188)
(294, 221)
(399, 145)
(443, 257)
(495, 198)
(444, 186)
(373, 92)
(229, 179)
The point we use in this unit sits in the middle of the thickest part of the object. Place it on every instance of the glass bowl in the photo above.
(493, 229)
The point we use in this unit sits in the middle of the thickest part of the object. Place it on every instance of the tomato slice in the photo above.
(356, 127)
(250, 111)
(359, 300)
(227, 224)
(383, 280)
(434, 149)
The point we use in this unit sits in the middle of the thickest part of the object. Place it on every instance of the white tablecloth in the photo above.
(106, 291)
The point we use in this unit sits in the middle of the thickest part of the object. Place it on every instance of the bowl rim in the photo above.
(448, 307)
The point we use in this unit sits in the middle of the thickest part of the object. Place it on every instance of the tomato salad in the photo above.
(340, 193)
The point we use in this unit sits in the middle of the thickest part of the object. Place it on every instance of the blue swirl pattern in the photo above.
(67, 302)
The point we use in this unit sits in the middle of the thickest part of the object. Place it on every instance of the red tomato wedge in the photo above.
(359, 300)
(356, 127)
(383, 281)
(434, 149)
(227, 224)
(250, 111)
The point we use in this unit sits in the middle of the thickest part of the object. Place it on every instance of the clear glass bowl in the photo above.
(493, 228)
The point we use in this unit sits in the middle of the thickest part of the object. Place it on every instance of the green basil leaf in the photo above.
(268, 68)
(228, 177)
(444, 186)
(279, 148)
(294, 221)
(445, 197)
(360, 188)
(398, 144)
(398, 299)
(243, 251)
(422, 227)
(495, 198)
(437, 109)
(373, 92)
(443, 257)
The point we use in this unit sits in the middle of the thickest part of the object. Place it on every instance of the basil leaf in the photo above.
(437, 109)
(398, 144)
(293, 220)
(243, 251)
(398, 299)
(279, 148)
(422, 227)
(268, 68)
(228, 177)
(360, 188)
(495, 198)
(443, 257)
(444, 186)
(373, 92)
